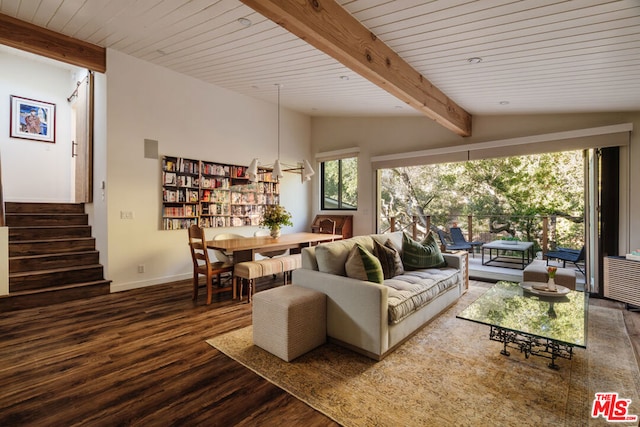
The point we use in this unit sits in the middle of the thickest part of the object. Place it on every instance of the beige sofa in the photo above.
(370, 318)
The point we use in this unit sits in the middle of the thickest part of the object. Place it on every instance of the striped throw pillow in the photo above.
(389, 259)
(425, 254)
(363, 265)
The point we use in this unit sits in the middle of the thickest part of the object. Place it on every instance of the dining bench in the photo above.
(252, 270)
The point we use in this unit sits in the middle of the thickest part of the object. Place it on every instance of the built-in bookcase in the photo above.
(213, 194)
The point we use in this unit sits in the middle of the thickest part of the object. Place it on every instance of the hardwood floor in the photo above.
(140, 358)
(135, 358)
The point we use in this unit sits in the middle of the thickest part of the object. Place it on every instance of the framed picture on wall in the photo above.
(31, 119)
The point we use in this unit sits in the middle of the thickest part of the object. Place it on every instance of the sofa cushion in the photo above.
(363, 265)
(331, 257)
(389, 258)
(415, 289)
(418, 255)
(395, 238)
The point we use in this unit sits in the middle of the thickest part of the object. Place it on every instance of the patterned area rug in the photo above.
(451, 374)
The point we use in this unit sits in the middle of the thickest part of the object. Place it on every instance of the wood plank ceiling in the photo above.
(542, 56)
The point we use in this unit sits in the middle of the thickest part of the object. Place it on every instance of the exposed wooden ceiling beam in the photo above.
(31, 38)
(330, 28)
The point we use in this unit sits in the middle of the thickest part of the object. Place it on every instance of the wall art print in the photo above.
(32, 119)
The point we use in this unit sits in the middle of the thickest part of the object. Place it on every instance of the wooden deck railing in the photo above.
(417, 227)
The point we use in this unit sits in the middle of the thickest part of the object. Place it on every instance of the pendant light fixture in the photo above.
(304, 169)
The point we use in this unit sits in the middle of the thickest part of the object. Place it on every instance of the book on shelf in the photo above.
(169, 165)
(169, 178)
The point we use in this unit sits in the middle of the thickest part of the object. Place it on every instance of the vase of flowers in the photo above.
(275, 216)
(551, 284)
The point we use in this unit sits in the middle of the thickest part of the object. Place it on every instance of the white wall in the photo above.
(35, 171)
(191, 119)
(380, 136)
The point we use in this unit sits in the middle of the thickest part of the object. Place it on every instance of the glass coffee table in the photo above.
(538, 325)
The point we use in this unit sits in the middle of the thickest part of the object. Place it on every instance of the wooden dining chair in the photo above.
(202, 265)
(327, 226)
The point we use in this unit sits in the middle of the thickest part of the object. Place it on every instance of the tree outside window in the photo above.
(340, 184)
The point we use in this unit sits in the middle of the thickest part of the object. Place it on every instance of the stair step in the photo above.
(44, 279)
(52, 256)
(43, 247)
(43, 262)
(18, 207)
(53, 295)
(47, 233)
(46, 219)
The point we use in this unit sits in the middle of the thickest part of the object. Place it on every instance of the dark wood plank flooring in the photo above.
(135, 358)
(140, 358)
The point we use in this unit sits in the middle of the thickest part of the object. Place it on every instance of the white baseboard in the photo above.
(119, 287)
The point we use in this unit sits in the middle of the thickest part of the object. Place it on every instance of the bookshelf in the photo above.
(213, 194)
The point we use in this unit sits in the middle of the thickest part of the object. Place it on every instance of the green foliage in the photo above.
(275, 216)
(341, 181)
(507, 195)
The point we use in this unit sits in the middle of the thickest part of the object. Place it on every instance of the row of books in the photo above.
(214, 196)
(214, 182)
(188, 166)
(210, 222)
(178, 164)
(173, 179)
(215, 169)
(245, 210)
(180, 196)
(215, 209)
(244, 221)
(180, 211)
(177, 224)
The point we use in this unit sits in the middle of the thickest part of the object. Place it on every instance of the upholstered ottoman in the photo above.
(537, 272)
(289, 321)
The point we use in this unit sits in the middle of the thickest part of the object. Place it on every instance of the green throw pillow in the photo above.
(389, 259)
(363, 265)
(425, 254)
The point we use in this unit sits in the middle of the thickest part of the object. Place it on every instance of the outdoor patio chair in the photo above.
(567, 255)
(449, 245)
(459, 239)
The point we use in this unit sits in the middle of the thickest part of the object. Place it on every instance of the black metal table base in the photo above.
(530, 345)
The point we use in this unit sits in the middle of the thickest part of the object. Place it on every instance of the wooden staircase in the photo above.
(52, 256)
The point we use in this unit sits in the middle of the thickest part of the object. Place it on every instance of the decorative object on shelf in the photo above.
(304, 168)
(275, 216)
(551, 285)
(31, 119)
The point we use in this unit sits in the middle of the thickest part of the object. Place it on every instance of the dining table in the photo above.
(245, 248)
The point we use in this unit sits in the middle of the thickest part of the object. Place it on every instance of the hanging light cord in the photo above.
(278, 84)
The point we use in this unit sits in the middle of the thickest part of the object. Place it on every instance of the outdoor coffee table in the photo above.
(524, 248)
(538, 325)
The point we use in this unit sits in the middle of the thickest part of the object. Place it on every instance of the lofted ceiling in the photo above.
(488, 56)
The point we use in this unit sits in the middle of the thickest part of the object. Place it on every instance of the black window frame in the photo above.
(340, 204)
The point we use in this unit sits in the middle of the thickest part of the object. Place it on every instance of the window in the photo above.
(339, 184)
